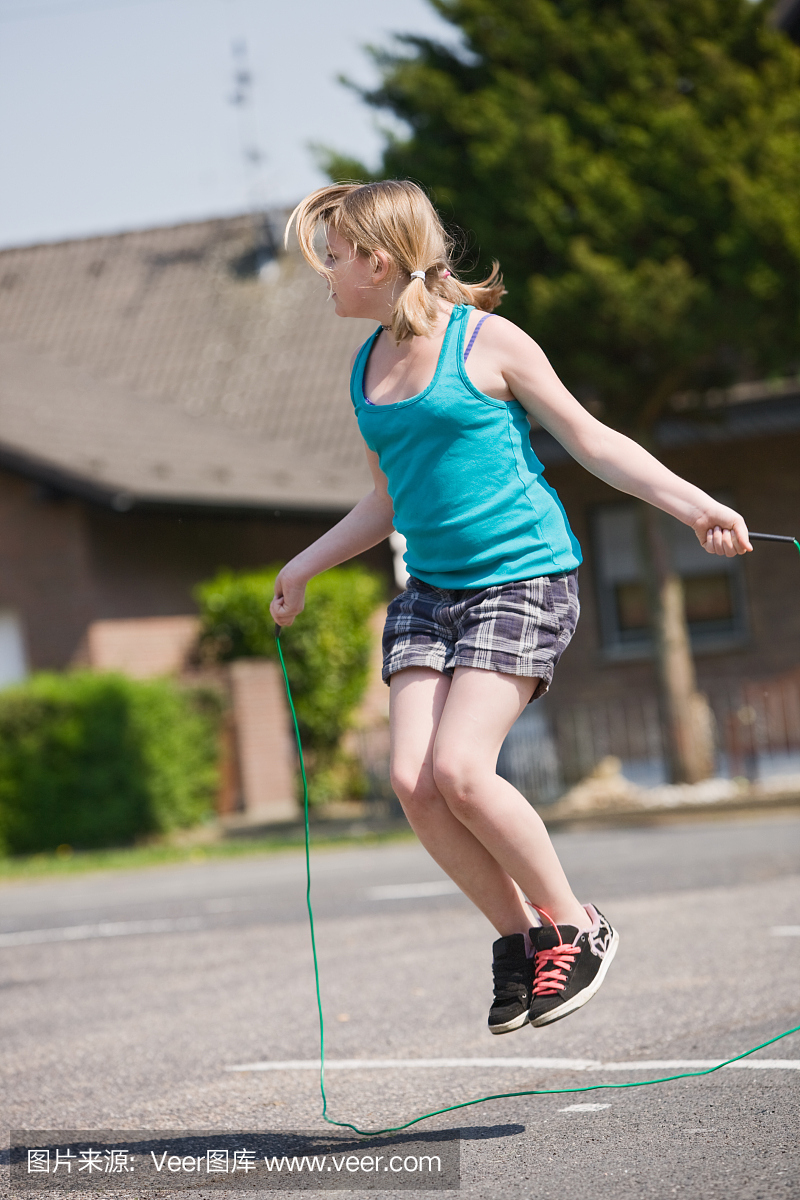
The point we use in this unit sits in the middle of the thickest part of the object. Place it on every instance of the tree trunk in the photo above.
(686, 716)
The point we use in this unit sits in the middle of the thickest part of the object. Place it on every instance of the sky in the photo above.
(118, 114)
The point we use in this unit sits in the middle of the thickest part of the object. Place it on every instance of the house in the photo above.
(171, 401)
(175, 400)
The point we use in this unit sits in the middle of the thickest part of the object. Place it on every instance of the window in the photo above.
(713, 587)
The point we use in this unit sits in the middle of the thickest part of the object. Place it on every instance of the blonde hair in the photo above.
(395, 216)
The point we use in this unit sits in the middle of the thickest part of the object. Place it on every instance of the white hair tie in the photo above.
(418, 275)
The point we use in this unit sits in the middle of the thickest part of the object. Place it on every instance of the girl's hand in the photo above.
(289, 599)
(722, 531)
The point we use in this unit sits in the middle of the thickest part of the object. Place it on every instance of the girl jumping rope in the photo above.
(492, 598)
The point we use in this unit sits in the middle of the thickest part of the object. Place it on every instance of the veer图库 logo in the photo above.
(57, 1162)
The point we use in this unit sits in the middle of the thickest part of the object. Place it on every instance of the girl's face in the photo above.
(356, 286)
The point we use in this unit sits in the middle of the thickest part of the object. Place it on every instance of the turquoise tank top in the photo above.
(468, 491)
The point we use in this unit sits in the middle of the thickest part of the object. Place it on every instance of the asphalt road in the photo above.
(126, 997)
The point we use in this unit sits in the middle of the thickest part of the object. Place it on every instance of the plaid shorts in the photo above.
(519, 628)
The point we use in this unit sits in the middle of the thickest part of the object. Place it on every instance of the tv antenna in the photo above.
(252, 155)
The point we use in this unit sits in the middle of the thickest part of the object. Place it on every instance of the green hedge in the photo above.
(326, 652)
(95, 760)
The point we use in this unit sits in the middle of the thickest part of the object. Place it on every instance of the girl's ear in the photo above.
(381, 266)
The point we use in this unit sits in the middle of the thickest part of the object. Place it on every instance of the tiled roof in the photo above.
(157, 367)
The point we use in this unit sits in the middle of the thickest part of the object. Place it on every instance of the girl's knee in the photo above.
(415, 789)
(459, 782)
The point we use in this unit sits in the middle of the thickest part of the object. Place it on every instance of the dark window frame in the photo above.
(707, 637)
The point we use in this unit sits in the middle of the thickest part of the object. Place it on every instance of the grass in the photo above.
(66, 861)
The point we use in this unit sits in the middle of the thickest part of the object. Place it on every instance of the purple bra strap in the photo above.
(474, 335)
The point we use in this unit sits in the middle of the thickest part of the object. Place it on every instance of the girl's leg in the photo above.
(480, 708)
(418, 697)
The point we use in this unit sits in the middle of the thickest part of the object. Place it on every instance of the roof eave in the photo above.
(121, 500)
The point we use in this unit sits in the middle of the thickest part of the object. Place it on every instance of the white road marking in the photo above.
(103, 929)
(528, 1064)
(584, 1107)
(701, 1064)
(785, 931)
(413, 891)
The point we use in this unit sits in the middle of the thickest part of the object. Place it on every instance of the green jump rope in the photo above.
(437, 1112)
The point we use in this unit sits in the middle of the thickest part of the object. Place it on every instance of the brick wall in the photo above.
(65, 563)
(264, 742)
(141, 647)
(46, 573)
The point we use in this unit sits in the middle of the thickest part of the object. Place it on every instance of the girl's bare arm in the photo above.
(614, 458)
(368, 523)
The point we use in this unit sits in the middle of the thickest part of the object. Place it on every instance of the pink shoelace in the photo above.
(552, 966)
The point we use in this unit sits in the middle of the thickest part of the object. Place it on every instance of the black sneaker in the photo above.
(570, 967)
(513, 979)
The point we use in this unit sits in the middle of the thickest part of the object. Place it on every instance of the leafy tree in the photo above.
(635, 166)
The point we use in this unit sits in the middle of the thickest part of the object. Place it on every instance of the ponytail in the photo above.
(416, 308)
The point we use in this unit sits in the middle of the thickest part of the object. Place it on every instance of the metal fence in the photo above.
(758, 727)
(757, 734)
